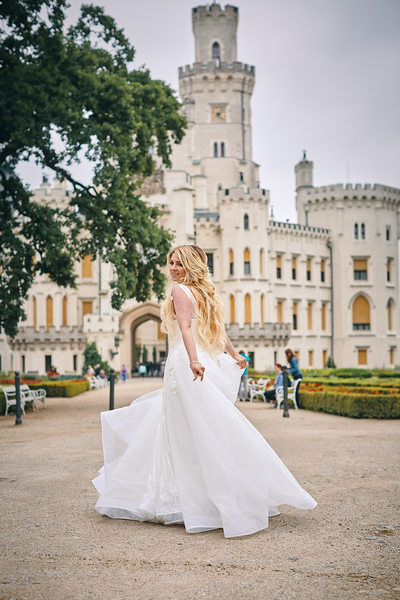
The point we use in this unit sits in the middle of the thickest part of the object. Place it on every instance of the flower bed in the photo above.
(64, 389)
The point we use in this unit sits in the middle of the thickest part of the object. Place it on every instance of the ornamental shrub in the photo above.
(356, 405)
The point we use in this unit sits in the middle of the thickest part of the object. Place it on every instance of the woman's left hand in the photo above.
(241, 361)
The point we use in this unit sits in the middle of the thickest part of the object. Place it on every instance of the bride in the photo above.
(185, 453)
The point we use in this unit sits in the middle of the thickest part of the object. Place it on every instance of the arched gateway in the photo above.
(130, 321)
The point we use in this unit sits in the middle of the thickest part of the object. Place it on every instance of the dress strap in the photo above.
(187, 291)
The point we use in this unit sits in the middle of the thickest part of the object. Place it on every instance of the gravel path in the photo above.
(54, 546)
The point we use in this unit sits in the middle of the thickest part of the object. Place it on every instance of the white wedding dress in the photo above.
(186, 454)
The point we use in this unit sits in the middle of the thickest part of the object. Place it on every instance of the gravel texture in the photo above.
(54, 546)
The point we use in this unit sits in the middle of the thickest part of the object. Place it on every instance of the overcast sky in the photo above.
(327, 80)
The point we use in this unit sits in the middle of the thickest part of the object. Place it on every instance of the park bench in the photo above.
(291, 393)
(97, 382)
(27, 395)
(257, 388)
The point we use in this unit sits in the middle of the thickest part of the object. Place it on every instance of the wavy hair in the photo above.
(208, 306)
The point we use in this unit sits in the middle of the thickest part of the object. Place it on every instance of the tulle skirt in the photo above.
(186, 454)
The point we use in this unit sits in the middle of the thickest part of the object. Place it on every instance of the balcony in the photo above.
(28, 336)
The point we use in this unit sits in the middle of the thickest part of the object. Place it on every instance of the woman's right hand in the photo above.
(198, 371)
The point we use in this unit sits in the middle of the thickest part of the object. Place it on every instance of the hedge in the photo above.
(358, 406)
(63, 389)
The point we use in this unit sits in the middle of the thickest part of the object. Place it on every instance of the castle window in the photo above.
(247, 309)
(360, 269)
(294, 267)
(310, 358)
(215, 150)
(216, 54)
(87, 266)
(87, 307)
(261, 261)
(64, 311)
(23, 363)
(294, 316)
(34, 311)
(75, 362)
(47, 362)
(246, 261)
(262, 310)
(362, 231)
(49, 312)
(279, 311)
(241, 176)
(388, 233)
(231, 262)
(246, 221)
(362, 356)
(322, 270)
(222, 149)
(356, 231)
(388, 269)
(309, 316)
(324, 358)
(361, 314)
(389, 309)
(279, 266)
(391, 355)
(308, 269)
(323, 316)
(232, 308)
(210, 262)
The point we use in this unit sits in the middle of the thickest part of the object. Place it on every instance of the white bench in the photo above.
(27, 395)
(257, 388)
(291, 393)
(97, 382)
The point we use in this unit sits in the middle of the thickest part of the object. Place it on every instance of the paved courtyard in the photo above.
(54, 546)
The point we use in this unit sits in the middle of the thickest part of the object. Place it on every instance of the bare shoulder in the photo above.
(179, 295)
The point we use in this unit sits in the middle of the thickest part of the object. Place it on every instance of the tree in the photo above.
(92, 357)
(66, 94)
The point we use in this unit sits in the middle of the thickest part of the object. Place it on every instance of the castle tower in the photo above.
(304, 172)
(216, 94)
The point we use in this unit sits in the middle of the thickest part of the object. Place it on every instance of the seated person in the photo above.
(270, 393)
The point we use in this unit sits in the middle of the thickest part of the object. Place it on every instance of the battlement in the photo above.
(276, 225)
(214, 10)
(241, 192)
(340, 187)
(203, 214)
(213, 67)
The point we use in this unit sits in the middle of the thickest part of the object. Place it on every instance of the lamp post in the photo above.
(18, 420)
(285, 395)
(116, 344)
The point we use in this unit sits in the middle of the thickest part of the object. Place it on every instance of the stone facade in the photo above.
(327, 286)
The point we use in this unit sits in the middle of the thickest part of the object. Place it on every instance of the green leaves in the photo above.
(78, 88)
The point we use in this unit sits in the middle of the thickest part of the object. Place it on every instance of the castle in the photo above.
(327, 286)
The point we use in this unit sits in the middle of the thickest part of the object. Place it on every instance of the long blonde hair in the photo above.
(208, 306)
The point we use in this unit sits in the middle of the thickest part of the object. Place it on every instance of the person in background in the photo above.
(97, 370)
(294, 368)
(243, 395)
(270, 392)
(124, 373)
(90, 372)
(142, 370)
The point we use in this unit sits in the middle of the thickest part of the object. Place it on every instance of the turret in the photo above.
(304, 172)
(214, 30)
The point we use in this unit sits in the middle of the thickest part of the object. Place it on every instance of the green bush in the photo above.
(358, 406)
(63, 389)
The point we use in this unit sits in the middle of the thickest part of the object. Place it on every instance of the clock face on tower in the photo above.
(218, 112)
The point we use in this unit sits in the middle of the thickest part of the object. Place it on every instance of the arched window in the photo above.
(222, 149)
(34, 311)
(361, 314)
(216, 54)
(356, 231)
(389, 308)
(261, 261)
(362, 231)
(232, 309)
(247, 309)
(246, 259)
(87, 266)
(49, 312)
(215, 150)
(246, 221)
(231, 262)
(262, 310)
(64, 311)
